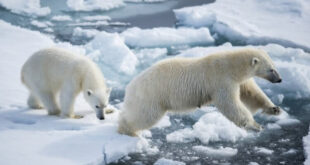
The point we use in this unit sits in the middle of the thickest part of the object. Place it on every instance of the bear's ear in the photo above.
(108, 90)
(255, 61)
(89, 92)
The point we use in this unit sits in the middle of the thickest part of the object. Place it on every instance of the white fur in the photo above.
(54, 71)
(181, 84)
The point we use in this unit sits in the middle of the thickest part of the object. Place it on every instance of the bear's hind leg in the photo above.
(67, 97)
(130, 123)
(229, 103)
(49, 102)
(33, 102)
(254, 98)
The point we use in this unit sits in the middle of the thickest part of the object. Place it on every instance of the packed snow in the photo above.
(163, 37)
(28, 7)
(89, 5)
(253, 22)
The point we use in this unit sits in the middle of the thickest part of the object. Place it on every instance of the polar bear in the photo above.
(55, 71)
(224, 79)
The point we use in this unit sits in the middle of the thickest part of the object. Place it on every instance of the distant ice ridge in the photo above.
(292, 64)
(284, 22)
(90, 5)
(28, 7)
(165, 37)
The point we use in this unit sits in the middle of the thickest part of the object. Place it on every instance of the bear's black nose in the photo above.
(280, 80)
(101, 118)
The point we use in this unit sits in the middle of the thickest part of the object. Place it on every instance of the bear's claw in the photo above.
(273, 110)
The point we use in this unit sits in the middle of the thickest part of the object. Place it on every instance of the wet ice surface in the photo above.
(279, 143)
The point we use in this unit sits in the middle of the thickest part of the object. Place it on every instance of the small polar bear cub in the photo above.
(224, 79)
(54, 72)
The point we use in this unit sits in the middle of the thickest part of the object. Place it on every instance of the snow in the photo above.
(211, 127)
(165, 37)
(284, 22)
(220, 152)
(61, 18)
(263, 150)
(28, 7)
(34, 137)
(110, 50)
(164, 161)
(90, 5)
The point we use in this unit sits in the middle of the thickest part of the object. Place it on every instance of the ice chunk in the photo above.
(38, 24)
(110, 50)
(253, 163)
(89, 5)
(29, 7)
(212, 126)
(263, 150)
(164, 161)
(97, 18)
(216, 152)
(88, 33)
(164, 122)
(166, 37)
(236, 21)
(181, 136)
(61, 18)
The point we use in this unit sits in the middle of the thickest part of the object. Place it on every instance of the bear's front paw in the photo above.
(273, 110)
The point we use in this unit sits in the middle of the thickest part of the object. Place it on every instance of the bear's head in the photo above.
(98, 100)
(264, 67)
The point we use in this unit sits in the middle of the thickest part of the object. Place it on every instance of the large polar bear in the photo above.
(51, 71)
(223, 79)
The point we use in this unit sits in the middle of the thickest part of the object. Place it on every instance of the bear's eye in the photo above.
(97, 106)
(271, 70)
